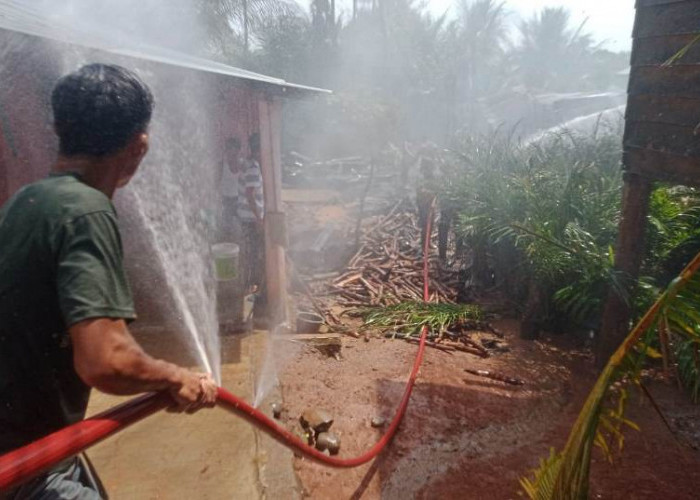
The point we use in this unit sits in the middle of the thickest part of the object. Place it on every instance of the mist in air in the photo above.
(399, 69)
(401, 72)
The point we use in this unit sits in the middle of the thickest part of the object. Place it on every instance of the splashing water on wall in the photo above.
(193, 303)
(170, 202)
(173, 195)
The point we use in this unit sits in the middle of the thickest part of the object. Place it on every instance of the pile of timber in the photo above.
(388, 267)
(460, 338)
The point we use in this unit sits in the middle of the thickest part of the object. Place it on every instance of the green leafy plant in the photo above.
(410, 317)
(565, 475)
(688, 358)
(541, 215)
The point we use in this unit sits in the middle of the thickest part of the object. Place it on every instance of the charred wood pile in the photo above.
(384, 277)
(388, 267)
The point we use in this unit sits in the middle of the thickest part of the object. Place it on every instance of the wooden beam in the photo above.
(678, 80)
(650, 3)
(657, 50)
(676, 139)
(271, 165)
(661, 166)
(4, 170)
(666, 109)
(628, 257)
(675, 18)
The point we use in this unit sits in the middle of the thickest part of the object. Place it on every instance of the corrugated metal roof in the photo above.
(24, 19)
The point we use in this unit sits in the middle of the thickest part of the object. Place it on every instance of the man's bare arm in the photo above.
(107, 357)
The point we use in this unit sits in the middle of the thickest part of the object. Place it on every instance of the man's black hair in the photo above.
(98, 109)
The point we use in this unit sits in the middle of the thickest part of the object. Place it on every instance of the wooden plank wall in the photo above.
(662, 133)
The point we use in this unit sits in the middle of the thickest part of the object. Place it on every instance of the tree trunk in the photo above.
(481, 274)
(628, 257)
(444, 225)
(529, 326)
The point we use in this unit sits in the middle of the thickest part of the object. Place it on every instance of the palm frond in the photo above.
(410, 317)
(568, 477)
(542, 484)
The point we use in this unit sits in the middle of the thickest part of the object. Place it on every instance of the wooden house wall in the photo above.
(662, 140)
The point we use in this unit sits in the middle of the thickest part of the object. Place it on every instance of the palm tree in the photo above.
(540, 219)
(325, 25)
(232, 23)
(479, 39)
(285, 49)
(551, 54)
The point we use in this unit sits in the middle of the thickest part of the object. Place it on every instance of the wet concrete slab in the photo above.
(211, 454)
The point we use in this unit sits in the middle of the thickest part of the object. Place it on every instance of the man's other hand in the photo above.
(193, 392)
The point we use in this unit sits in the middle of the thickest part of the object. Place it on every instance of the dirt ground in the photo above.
(464, 436)
(469, 437)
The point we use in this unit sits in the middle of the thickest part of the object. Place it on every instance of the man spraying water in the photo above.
(64, 297)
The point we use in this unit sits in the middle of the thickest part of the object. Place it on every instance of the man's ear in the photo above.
(134, 152)
(139, 146)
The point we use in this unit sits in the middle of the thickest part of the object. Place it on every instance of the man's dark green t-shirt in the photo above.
(60, 263)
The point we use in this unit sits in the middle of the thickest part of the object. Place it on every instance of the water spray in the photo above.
(267, 376)
(22, 464)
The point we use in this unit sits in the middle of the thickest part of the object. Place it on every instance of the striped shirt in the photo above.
(250, 177)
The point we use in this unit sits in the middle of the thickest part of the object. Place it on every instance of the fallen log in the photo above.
(470, 342)
(347, 279)
(495, 376)
(470, 350)
(430, 343)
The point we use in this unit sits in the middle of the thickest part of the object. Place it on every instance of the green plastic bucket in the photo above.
(225, 261)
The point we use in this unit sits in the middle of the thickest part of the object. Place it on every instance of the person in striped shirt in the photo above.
(231, 166)
(251, 212)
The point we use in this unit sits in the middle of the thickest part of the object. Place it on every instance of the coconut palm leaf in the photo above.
(565, 476)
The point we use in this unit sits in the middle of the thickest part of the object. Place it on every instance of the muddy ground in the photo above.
(469, 437)
(465, 436)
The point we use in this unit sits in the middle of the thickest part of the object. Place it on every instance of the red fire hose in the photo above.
(27, 462)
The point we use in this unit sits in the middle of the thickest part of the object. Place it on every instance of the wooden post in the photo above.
(4, 172)
(275, 235)
(628, 258)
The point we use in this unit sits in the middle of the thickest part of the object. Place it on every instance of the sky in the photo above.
(608, 20)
